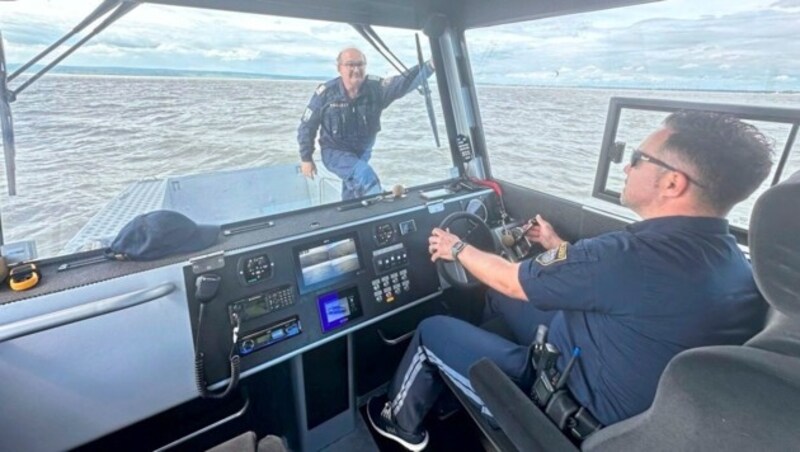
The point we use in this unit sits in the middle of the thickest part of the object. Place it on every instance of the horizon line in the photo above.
(168, 72)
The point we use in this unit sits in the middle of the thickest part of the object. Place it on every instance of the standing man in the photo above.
(631, 299)
(347, 113)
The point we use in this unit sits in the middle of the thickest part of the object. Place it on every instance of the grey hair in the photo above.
(339, 56)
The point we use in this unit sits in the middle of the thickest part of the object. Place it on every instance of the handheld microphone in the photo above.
(206, 287)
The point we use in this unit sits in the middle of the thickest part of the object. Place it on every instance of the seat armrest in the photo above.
(524, 423)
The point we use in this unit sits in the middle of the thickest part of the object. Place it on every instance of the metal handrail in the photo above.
(397, 340)
(207, 428)
(63, 317)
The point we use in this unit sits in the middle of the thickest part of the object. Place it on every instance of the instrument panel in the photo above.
(292, 293)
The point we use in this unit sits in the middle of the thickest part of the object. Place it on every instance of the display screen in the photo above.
(255, 307)
(328, 262)
(338, 307)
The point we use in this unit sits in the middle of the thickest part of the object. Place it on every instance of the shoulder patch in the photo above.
(307, 114)
(374, 77)
(321, 89)
(552, 256)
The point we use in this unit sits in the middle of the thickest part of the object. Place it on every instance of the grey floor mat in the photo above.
(360, 440)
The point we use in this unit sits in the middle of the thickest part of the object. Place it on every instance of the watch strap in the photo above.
(458, 247)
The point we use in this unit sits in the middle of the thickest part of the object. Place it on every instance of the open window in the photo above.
(544, 87)
(630, 120)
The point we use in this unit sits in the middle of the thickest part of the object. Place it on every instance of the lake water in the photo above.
(82, 139)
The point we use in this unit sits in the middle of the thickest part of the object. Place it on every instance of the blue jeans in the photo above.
(358, 178)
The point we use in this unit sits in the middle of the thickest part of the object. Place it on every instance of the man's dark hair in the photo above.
(731, 157)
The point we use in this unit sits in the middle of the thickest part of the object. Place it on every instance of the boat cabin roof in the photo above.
(409, 14)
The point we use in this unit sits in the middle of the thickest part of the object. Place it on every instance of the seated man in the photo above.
(631, 300)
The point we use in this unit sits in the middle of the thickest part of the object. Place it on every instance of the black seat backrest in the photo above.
(728, 398)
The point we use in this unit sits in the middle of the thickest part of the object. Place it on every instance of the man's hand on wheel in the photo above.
(440, 244)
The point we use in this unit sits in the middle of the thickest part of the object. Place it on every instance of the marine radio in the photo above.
(263, 303)
(271, 335)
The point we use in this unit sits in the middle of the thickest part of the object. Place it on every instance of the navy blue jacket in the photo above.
(634, 299)
(352, 124)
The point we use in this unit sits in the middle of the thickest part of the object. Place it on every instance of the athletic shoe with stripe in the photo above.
(380, 416)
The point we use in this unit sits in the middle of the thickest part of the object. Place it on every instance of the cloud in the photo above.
(786, 4)
(676, 43)
(711, 44)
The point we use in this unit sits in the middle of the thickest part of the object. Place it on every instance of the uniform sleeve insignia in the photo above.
(385, 82)
(374, 77)
(307, 114)
(552, 256)
(320, 89)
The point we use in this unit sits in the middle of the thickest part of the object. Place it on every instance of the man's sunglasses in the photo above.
(638, 156)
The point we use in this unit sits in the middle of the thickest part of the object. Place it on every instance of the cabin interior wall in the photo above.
(570, 219)
(270, 412)
(325, 378)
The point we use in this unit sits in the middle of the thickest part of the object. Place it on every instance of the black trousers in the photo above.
(448, 345)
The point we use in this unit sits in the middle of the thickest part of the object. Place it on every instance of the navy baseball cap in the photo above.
(161, 233)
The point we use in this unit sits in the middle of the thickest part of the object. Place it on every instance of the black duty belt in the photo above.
(570, 416)
(550, 393)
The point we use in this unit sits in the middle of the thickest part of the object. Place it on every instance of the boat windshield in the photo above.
(198, 111)
(544, 119)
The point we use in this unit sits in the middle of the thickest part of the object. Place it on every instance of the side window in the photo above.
(544, 86)
(533, 141)
(630, 121)
(793, 161)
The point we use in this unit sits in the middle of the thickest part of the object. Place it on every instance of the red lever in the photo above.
(489, 184)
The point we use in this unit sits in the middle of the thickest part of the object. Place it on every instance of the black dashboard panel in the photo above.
(295, 293)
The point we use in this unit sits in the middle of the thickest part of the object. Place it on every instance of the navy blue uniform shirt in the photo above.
(633, 299)
(351, 124)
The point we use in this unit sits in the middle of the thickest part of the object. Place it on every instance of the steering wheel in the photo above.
(473, 231)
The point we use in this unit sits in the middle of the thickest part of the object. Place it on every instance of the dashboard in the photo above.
(294, 289)
(293, 294)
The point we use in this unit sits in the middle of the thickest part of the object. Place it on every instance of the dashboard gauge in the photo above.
(254, 269)
(385, 234)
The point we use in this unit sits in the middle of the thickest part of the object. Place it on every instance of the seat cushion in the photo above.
(774, 245)
(246, 442)
(716, 398)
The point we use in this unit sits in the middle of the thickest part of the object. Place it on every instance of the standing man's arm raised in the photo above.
(395, 87)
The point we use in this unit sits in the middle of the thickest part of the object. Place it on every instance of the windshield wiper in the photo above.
(426, 89)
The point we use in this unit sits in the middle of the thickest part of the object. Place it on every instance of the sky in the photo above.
(709, 44)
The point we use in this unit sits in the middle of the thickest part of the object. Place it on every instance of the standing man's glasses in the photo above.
(354, 64)
(638, 156)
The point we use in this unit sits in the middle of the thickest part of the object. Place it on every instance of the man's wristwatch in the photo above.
(457, 248)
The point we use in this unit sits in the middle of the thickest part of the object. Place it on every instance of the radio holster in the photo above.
(550, 394)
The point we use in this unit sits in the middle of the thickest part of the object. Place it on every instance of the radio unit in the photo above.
(271, 335)
(263, 303)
